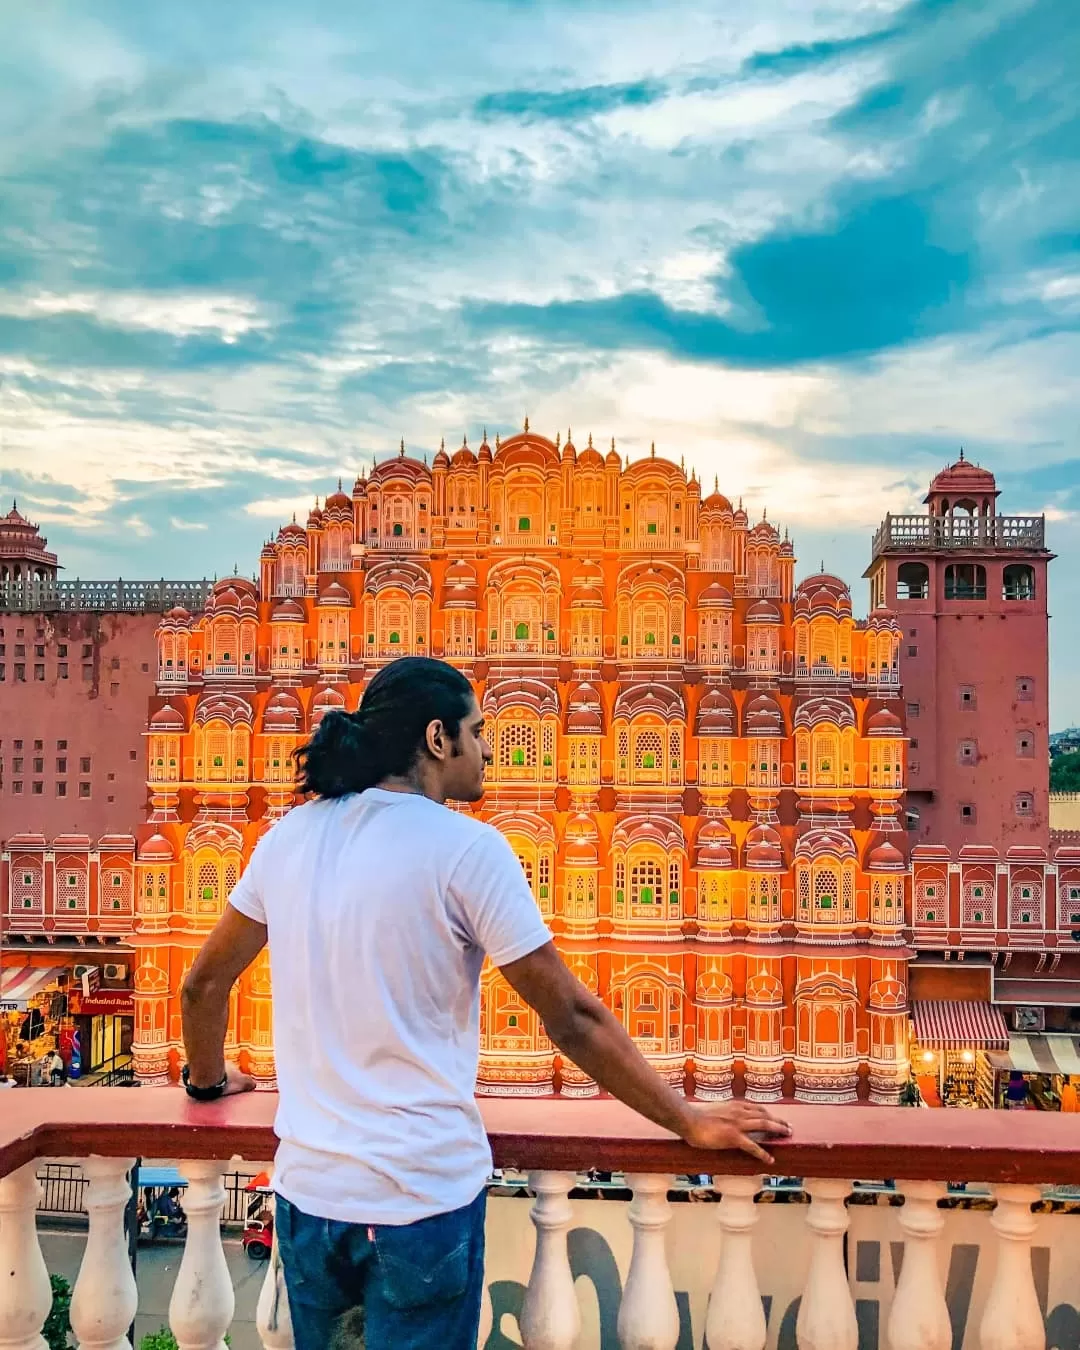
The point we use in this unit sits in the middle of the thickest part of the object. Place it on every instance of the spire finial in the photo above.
(374, 461)
(716, 482)
(339, 484)
(613, 443)
(442, 442)
(590, 440)
(294, 517)
(464, 441)
(961, 454)
(498, 441)
(558, 439)
(682, 463)
(568, 436)
(822, 569)
(526, 421)
(401, 449)
(764, 513)
(652, 450)
(484, 438)
(425, 459)
(740, 503)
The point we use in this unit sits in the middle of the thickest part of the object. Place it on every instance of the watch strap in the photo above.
(204, 1094)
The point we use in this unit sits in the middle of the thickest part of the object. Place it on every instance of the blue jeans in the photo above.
(420, 1284)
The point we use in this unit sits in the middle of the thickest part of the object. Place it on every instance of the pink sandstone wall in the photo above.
(98, 710)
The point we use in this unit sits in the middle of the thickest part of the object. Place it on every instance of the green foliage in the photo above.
(158, 1340)
(1065, 772)
(163, 1339)
(57, 1329)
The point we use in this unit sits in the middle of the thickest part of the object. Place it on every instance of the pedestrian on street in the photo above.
(379, 905)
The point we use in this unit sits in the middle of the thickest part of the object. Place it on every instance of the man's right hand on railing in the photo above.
(724, 1125)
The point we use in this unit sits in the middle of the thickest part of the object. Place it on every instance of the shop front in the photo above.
(952, 1041)
(105, 1020)
(1038, 1072)
(35, 1020)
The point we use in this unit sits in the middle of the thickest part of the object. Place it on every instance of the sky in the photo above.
(812, 246)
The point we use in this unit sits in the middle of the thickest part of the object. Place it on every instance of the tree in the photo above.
(1065, 772)
(57, 1328)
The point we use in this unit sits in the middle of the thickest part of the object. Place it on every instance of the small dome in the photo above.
(339, 500)
(584, 714)
(587, 595)
(762, 717)
(485, 455)
(763, 611)
(716, 501)
(463, 458)
(715, 713)
(715, 594)
(335, 594)
(884, 723)
(288, 611)
(885, 857)
(167, 719)
(964, 477)
(442, 459)
(315, 517)
(713, 845)
(178, 614)
(156, 849)
(611, 459)
(268, 552)
(292, 533)
(763, 851)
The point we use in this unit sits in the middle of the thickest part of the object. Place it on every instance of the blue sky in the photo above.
(812, 247)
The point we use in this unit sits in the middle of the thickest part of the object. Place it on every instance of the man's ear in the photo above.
(437, 740)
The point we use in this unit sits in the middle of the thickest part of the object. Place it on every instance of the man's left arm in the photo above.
(232, 946)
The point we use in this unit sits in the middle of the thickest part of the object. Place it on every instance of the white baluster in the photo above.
(272, 1320)
(550, 1319)
(1012, 1319)
(25, 1291)
(105, 1298)
(649, 1315)
(736, 1316)
(826, 1318)
(202, 1302)
(919, 1317)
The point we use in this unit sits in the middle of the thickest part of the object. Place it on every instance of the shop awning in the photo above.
(949, 1024)
(18, 985)
(1045, 1054)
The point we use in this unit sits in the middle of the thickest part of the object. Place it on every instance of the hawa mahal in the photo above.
(703, 768)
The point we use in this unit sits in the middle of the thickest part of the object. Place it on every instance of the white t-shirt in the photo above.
(380, 908)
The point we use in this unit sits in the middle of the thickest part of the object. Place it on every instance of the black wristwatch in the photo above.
(204, 1094)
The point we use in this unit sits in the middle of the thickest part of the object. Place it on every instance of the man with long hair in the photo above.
(379, 905)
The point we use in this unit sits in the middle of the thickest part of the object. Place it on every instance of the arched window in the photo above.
(912, 581)
(1018, 582)
(965, 581)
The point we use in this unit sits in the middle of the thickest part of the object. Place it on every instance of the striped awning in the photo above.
(19, 984)
(1045, 1054)
(948, 1024)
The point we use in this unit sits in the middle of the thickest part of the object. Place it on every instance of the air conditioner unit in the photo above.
(116, 971)
(80, 971)
(1029, 1019)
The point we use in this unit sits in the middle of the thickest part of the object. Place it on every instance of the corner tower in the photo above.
(969, 587)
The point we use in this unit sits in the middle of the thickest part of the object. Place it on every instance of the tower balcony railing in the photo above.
(963, 1251)
(960, 532)
(133, 597)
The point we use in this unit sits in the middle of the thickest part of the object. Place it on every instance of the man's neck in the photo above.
(416, 784)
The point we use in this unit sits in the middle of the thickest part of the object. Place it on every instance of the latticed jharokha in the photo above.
(700, 766)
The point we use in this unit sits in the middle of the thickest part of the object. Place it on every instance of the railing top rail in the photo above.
(827, 1141)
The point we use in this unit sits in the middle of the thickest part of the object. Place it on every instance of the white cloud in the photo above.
(176, 313)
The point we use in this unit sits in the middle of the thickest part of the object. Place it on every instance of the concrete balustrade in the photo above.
(830, 1146)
